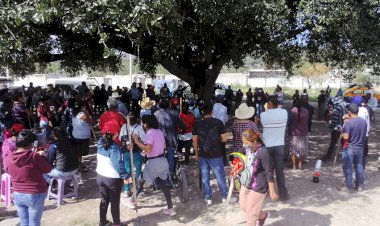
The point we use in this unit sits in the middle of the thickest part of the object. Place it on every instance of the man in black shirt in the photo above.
(209, 134)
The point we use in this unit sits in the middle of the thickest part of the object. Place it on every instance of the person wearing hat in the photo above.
(364, 114)
(353, 134)
(335, 125)
(146, 106)
(26, 168)
(242, 123)
(121, 106)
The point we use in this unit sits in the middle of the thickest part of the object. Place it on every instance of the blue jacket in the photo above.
(110, 162)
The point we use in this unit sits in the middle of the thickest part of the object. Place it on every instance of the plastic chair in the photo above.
(5, 193)
(60, 194)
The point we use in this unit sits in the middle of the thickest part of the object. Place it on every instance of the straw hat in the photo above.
(146, 103)
(244, 112)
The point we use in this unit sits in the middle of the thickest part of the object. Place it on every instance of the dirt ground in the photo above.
(310, 204)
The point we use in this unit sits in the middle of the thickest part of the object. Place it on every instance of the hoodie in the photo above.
(26, 169)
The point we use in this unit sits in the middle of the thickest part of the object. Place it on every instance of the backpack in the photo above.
(246, 174)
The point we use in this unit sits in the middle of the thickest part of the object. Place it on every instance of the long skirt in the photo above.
(298, 145)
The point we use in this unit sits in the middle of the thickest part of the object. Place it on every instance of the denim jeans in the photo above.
(277, 155)
(29, 208)
(217, 166)
(353, 155)
(58, 173)
(170, 151)
(137, 161)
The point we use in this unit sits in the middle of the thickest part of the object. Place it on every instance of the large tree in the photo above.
(192, 39)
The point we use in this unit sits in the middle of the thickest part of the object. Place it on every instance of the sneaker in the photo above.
(208, 201)
(261, 222)
(128, 203)
(233, 199)
(360, 189)
(171, 212)
(107, 223)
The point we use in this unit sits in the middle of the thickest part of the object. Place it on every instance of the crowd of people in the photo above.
(46, 132)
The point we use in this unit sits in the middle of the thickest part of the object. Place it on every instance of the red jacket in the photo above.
(189, 120)
(26, 170)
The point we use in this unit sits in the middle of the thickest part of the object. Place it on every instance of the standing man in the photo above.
(335, 125)
(135, 97)
(238, 98)
(364, 114)
(219, 111)
(274, 121)
(354, 132)
(229, 97)
(169, 122)
(209, 134)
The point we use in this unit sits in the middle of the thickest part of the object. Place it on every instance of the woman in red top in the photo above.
(185, 137)
(44, 115)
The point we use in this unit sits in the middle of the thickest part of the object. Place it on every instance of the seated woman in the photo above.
(62, 156)
(26, 168)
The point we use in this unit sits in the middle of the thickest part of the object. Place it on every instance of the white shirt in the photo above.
(81, 129)
(363, 113)
(274, 123)
(219, 111)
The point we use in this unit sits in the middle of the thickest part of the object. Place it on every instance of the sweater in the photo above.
(26, 169)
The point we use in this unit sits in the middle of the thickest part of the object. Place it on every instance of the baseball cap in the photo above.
(357, 100)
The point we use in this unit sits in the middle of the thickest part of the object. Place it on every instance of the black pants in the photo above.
(365, 151)
(277, 155)
(164, 188)
(334, 139)
(110, 189)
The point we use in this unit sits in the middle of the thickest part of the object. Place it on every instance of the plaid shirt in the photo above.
(238, 128)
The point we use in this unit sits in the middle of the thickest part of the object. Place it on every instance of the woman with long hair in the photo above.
(252, 196)
(110, 175)
(297, 142)
(157, 168)
(26, 168)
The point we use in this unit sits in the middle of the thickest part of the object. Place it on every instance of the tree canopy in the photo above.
(192, 39)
